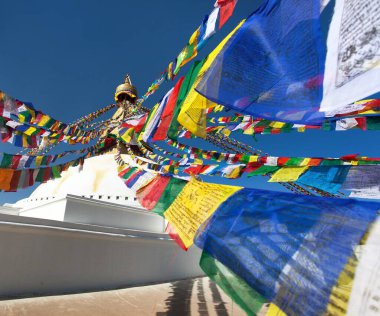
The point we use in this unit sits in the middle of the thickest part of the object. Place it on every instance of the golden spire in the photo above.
(127, 88)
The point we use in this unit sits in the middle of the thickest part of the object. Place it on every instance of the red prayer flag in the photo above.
(350, 157)
(194, 170)
(226, 9)
(282, 160)
(362, 122)
(173, 235)
(149, 195)
(15, 181)
(167, 113)
(15, 161)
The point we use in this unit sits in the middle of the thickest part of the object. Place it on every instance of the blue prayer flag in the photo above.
(289, 248)
(328, 179)
(273, 66)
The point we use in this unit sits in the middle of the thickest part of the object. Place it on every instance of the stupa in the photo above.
(85, 231)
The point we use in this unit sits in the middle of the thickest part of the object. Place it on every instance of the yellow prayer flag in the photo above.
(249, 131)
(341, 291)
(363, 101)
(277, 124)
(193, 111)
(30, 131)
(234, 173)
(196, 202)
(253, 158)
(226, 132)
(288, 174)
(192, 45)
(305, 162)
(165, 169)
(198, 161)
(25, 143)
(128, 135)
(44, 119)
(273, 310)
(38, 160)
(218, 108)
(122, 167)
(301, 129)
(370, 112)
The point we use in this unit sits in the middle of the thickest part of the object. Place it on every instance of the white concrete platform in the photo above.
(45, 257)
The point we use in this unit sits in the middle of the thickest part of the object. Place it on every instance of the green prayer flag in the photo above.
(55, 171)
(40, 175)
(50, 123)
(24, 116)
(237, 289)
(287, 128)
(245, 158)
(368, 162)
(332, 162)
(267, 130)
(184, 90)
(373, 123)
(44, 160)
(264, 123)
(294, 161)
(263, 170)
(173, 188)
(6, 161)
(327, 126)
(129, 173)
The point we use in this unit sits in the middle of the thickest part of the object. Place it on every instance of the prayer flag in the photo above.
(272, 74)
(149, 195)
(363, 182)
(289, 248)
(239, 291)
(352, 61)
(226, 9)
(325, 178)
(288, 174)
(6, 178)
(196, 202)
(211, 24)
(167, 113)
(6, 160)
(193, 111)
(263, 170)
(174, 235)
(153, 122)
(184, 90)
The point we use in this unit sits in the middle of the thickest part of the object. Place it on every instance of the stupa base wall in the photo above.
(45, 257)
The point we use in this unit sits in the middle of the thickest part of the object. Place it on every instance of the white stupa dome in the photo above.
(97, 180)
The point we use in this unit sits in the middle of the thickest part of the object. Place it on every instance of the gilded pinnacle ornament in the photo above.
(126, 91)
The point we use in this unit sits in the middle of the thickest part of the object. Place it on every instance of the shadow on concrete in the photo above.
(220, 306)
(179, 301)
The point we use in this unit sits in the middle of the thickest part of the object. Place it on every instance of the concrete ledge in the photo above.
(76, 209)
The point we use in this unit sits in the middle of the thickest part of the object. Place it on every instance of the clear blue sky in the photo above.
(68, 56)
